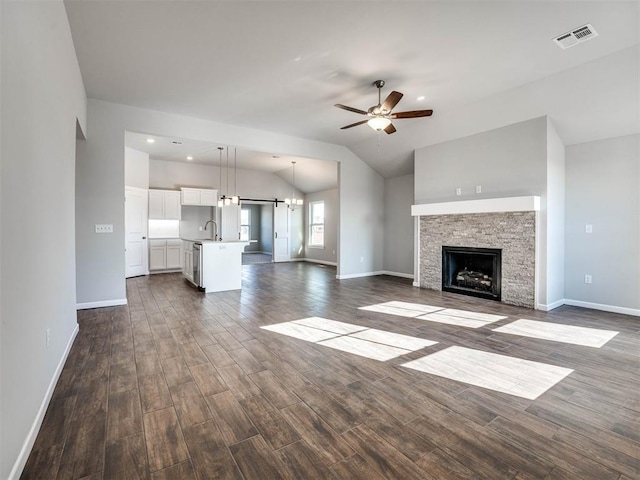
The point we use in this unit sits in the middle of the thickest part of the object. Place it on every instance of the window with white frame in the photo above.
(316, 224)
(245, 224)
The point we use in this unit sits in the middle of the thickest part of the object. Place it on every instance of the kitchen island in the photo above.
(219, 268)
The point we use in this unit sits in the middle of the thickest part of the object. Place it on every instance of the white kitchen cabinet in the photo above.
(187, 266)
(208, 197)
(165, 254)
(174, 260)
(199, 196)
(164, 205)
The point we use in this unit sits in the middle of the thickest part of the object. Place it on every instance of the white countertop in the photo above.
(210, 240)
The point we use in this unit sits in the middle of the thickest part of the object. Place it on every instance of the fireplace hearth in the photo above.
(472, 271)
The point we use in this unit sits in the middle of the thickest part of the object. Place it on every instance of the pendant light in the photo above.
(220, 199)
(227, 200)
(293, 202)
(235, 199)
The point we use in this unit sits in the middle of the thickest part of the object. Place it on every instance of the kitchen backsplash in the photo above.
(193, 218)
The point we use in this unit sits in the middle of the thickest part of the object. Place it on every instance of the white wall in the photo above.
(100, 191)
(266, 228)
(555, 209)
(398, 225)
(329, 253)
(173, 175)
(505, 162)
(603, 190)
(42, 95)
(361, 217)
(136, 168)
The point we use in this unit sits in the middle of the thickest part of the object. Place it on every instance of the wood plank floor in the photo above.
(183, 385)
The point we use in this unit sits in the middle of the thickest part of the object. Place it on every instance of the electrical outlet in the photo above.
(199, 229)
(478, 188)
(588, 228)
(458, 191)
(48, 337)
(334, 252)
(587, 279)
(104, 228)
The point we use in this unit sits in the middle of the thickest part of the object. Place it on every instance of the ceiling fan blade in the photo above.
(354, 124)
(351, 109)
(390, 129)
(412, 114)
(391, 101)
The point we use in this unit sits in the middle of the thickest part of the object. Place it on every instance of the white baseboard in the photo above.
(551, 306)
(358, 275)
(606, 308)
(25, 451)
(156, 272)
(322, 262)
(398, 274)
(103, 303)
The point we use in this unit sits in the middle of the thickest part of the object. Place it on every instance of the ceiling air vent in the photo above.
(574, 37)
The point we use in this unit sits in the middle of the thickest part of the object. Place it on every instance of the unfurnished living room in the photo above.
(319, 240)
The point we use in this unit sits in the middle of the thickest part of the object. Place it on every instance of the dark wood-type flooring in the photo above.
(183, 385)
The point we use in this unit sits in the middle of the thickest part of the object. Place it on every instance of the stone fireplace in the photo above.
(507, 226)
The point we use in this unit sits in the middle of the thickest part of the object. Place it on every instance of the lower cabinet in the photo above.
(187, 269)
(165, 254)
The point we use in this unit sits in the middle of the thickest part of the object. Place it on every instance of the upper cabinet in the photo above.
(164, 205)
(199, 196)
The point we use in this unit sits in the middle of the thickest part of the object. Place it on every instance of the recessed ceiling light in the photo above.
(189, 157)
(150, 140)
(420, 98)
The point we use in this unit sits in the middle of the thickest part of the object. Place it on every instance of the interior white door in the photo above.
(281, 241)
(135, 226)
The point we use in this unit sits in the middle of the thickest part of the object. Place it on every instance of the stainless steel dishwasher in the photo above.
(197, 265)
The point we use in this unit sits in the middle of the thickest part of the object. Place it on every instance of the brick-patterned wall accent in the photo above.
(513, 232)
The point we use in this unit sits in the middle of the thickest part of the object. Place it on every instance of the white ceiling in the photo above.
(311, 175)
(280, 66)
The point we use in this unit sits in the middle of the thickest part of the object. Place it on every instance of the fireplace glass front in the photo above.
(472, 271)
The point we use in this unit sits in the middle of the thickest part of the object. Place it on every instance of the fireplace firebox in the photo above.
(472, 271)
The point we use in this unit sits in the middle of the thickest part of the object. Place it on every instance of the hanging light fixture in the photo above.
(235, 199)
(221, 199)
(227, 200)
(379, 123)
(293, 202)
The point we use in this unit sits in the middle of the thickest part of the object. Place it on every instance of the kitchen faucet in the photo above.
(215, 237)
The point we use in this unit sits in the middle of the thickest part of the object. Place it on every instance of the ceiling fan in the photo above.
(380, 115)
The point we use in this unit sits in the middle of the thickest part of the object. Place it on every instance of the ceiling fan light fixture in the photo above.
(379, 123)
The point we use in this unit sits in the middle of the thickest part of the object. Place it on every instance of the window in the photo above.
(245, 224)
(316, 224)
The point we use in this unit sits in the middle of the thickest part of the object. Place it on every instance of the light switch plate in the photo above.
(588, 228)
(103, 228)
(478, 188)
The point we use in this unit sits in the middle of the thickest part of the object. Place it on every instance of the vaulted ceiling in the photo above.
(281, 66)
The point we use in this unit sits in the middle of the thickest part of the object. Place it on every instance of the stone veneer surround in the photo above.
(513, 232)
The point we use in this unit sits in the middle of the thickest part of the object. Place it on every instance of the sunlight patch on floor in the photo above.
(588, 337)
(515, 376)
(402, 309)
(356, 339)
(449, 316)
